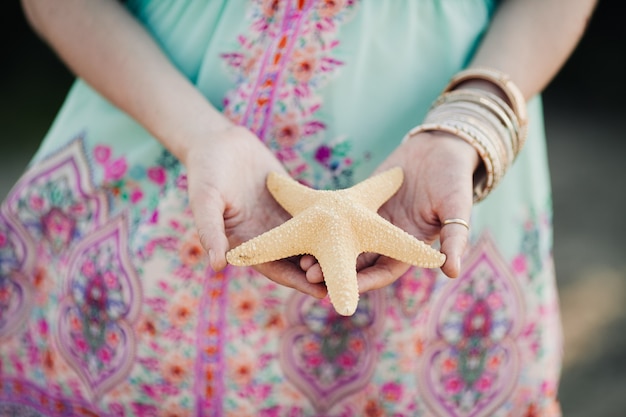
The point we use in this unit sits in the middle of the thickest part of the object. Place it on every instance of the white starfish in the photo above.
(335, 227)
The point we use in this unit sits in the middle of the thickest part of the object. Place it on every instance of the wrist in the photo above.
(461, 153)
(191, 125)
(485, 109)
(193, 140)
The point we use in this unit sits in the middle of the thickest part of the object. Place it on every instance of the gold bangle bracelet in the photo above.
(482, 138)
(474, 126)
(502, 81)
(491, 102)
(481, 118)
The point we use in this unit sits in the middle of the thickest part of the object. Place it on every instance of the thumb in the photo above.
(208, 212)
(454, 237)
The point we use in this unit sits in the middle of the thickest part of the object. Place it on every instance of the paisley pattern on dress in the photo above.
(16, 291)
(101, 302)
(471, 364)
(328, 356)
(108, 306)
(50, 208)
(20, 398)
(414, 288)
(56, 201)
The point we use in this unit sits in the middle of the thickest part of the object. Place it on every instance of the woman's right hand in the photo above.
(231, 204)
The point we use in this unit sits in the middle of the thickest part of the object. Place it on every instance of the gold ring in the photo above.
(456, 221)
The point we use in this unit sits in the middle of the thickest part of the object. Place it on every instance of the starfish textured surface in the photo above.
(335, 227)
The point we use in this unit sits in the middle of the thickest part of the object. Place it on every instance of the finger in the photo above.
(454, 218)
(208, 213)
(454, 238)
(307, 261)
(314, 274)
(290, 275)
(312, 269)
(366, 259)
(384, 272)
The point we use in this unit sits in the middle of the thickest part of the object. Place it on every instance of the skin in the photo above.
(102, 43)
(529, 40)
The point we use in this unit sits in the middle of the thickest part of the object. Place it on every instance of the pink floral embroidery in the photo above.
(288, 57)
(115, 170)
(531, 262)
(51, 208)
(128, 183)
(519, 264)
(327, 356)
(58, 201)
(471, 365)
(414, 288)
(58, 227)
(391, 391)
(157, 175)
(41, 401)
(102, 154)
(102, 301)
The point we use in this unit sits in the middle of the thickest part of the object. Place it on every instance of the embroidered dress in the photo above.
(108, 306)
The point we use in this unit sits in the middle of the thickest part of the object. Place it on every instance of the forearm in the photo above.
(531, 39)
(528, 40)
(103, 44)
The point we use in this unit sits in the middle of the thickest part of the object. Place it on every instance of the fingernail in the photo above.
(212, 258)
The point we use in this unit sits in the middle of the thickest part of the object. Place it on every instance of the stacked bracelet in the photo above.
(496, 130)
(502, 81)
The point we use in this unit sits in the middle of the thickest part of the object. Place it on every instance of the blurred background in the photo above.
(585, 109)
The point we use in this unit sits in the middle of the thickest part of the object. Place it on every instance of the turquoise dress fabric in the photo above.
(108, 306)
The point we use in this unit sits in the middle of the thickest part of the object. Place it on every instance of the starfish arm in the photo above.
(375, 191)
(338, 263)
(290, 194)
(291, 238)
(382, 237)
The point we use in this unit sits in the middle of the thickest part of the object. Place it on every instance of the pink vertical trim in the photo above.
(210, 347)
(284, 59)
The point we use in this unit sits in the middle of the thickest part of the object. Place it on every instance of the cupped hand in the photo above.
(228, 196)
(438, 185)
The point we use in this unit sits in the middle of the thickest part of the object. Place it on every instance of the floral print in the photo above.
(287, 56)
(182, 338)
(108, 306)
(329, 356)
(474, 354)
(58, 205)
(16, 291)
(100, 305)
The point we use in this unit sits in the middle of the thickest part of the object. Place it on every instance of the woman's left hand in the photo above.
(438, 185)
